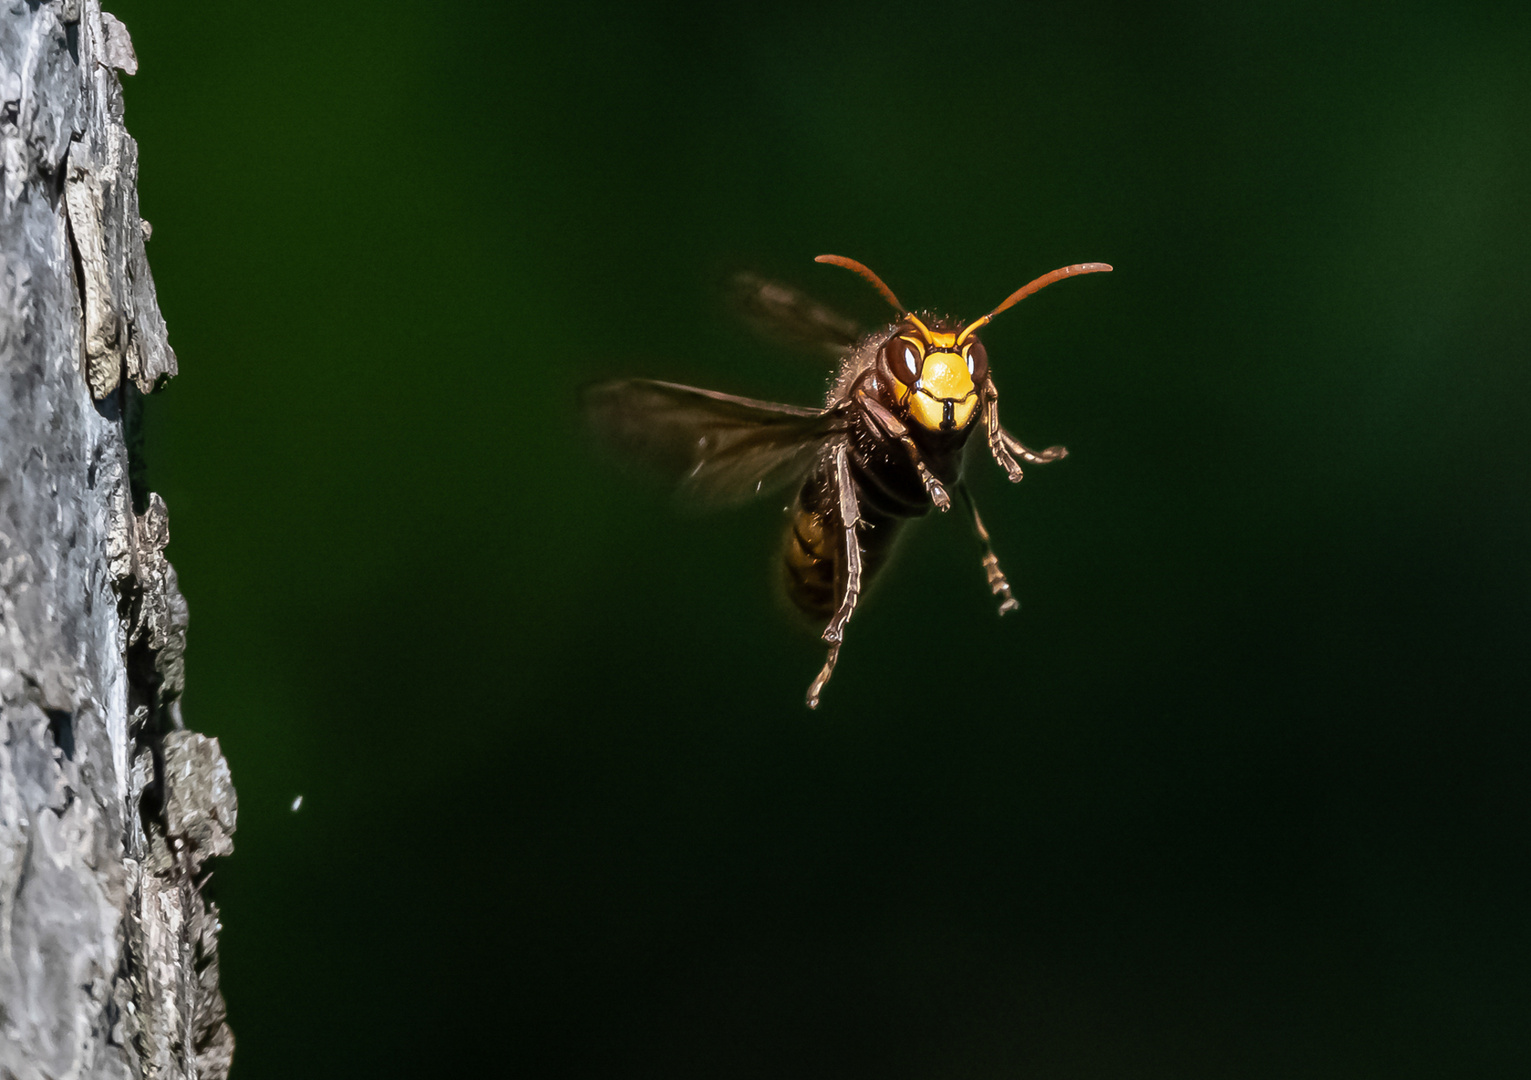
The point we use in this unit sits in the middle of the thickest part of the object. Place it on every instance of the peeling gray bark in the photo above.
(109, 807)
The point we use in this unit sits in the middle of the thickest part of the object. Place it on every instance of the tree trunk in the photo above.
(108, 805)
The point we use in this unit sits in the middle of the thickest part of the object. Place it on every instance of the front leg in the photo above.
(894, 428)
(1033, 457)
(1006, 447)
(997, 445)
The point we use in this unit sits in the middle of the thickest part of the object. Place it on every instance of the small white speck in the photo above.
(297, 804)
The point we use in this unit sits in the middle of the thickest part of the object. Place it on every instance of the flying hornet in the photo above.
(885, 448)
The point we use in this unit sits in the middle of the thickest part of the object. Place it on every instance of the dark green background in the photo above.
(1239, 793)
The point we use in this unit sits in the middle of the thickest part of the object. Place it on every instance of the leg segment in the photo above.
(1006, 447)
(997, 445)
(999, 585)
(894, 428)
(1026, 454)
(818, 684)
(848, 510)
(850, 517)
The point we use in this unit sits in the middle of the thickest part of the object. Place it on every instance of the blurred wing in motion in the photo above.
(720, 449)
(786, 314)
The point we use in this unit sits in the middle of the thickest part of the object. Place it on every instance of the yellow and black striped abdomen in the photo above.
(812, 554)
(814, 551)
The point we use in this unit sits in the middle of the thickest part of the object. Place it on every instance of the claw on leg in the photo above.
(934, 489)
(939, 496)
(1002, 455)
(818, 684)
(999, 585)
(997, 445)
(1026, 453)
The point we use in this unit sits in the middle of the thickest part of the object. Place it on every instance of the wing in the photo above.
(790, 315)
(719, 448)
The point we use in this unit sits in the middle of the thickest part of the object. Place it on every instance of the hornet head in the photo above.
(941, 371)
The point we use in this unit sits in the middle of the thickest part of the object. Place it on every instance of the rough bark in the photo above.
(108, 805)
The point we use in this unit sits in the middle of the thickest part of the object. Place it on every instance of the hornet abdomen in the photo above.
(814, 549)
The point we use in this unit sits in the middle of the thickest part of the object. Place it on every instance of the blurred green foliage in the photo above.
(1239, 793)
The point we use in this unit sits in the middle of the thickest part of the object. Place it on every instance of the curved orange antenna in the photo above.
(858, 268)
(1035, 286)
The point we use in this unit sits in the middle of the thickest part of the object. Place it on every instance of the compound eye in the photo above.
(978, 360)
(903, 360)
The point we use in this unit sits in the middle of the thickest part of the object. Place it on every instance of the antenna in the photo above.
(859, 268)
(1034, 286)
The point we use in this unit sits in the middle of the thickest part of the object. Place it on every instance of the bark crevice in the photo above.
(109, 806)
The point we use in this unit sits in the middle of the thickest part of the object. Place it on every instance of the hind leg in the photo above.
(848, 575)
(818, 684)
(848, 510)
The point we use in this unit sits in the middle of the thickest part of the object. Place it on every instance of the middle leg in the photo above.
(999, 585)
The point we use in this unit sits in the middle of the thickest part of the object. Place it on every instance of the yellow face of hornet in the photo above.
(938, 373)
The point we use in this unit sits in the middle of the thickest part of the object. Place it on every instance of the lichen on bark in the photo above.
(109, 807)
